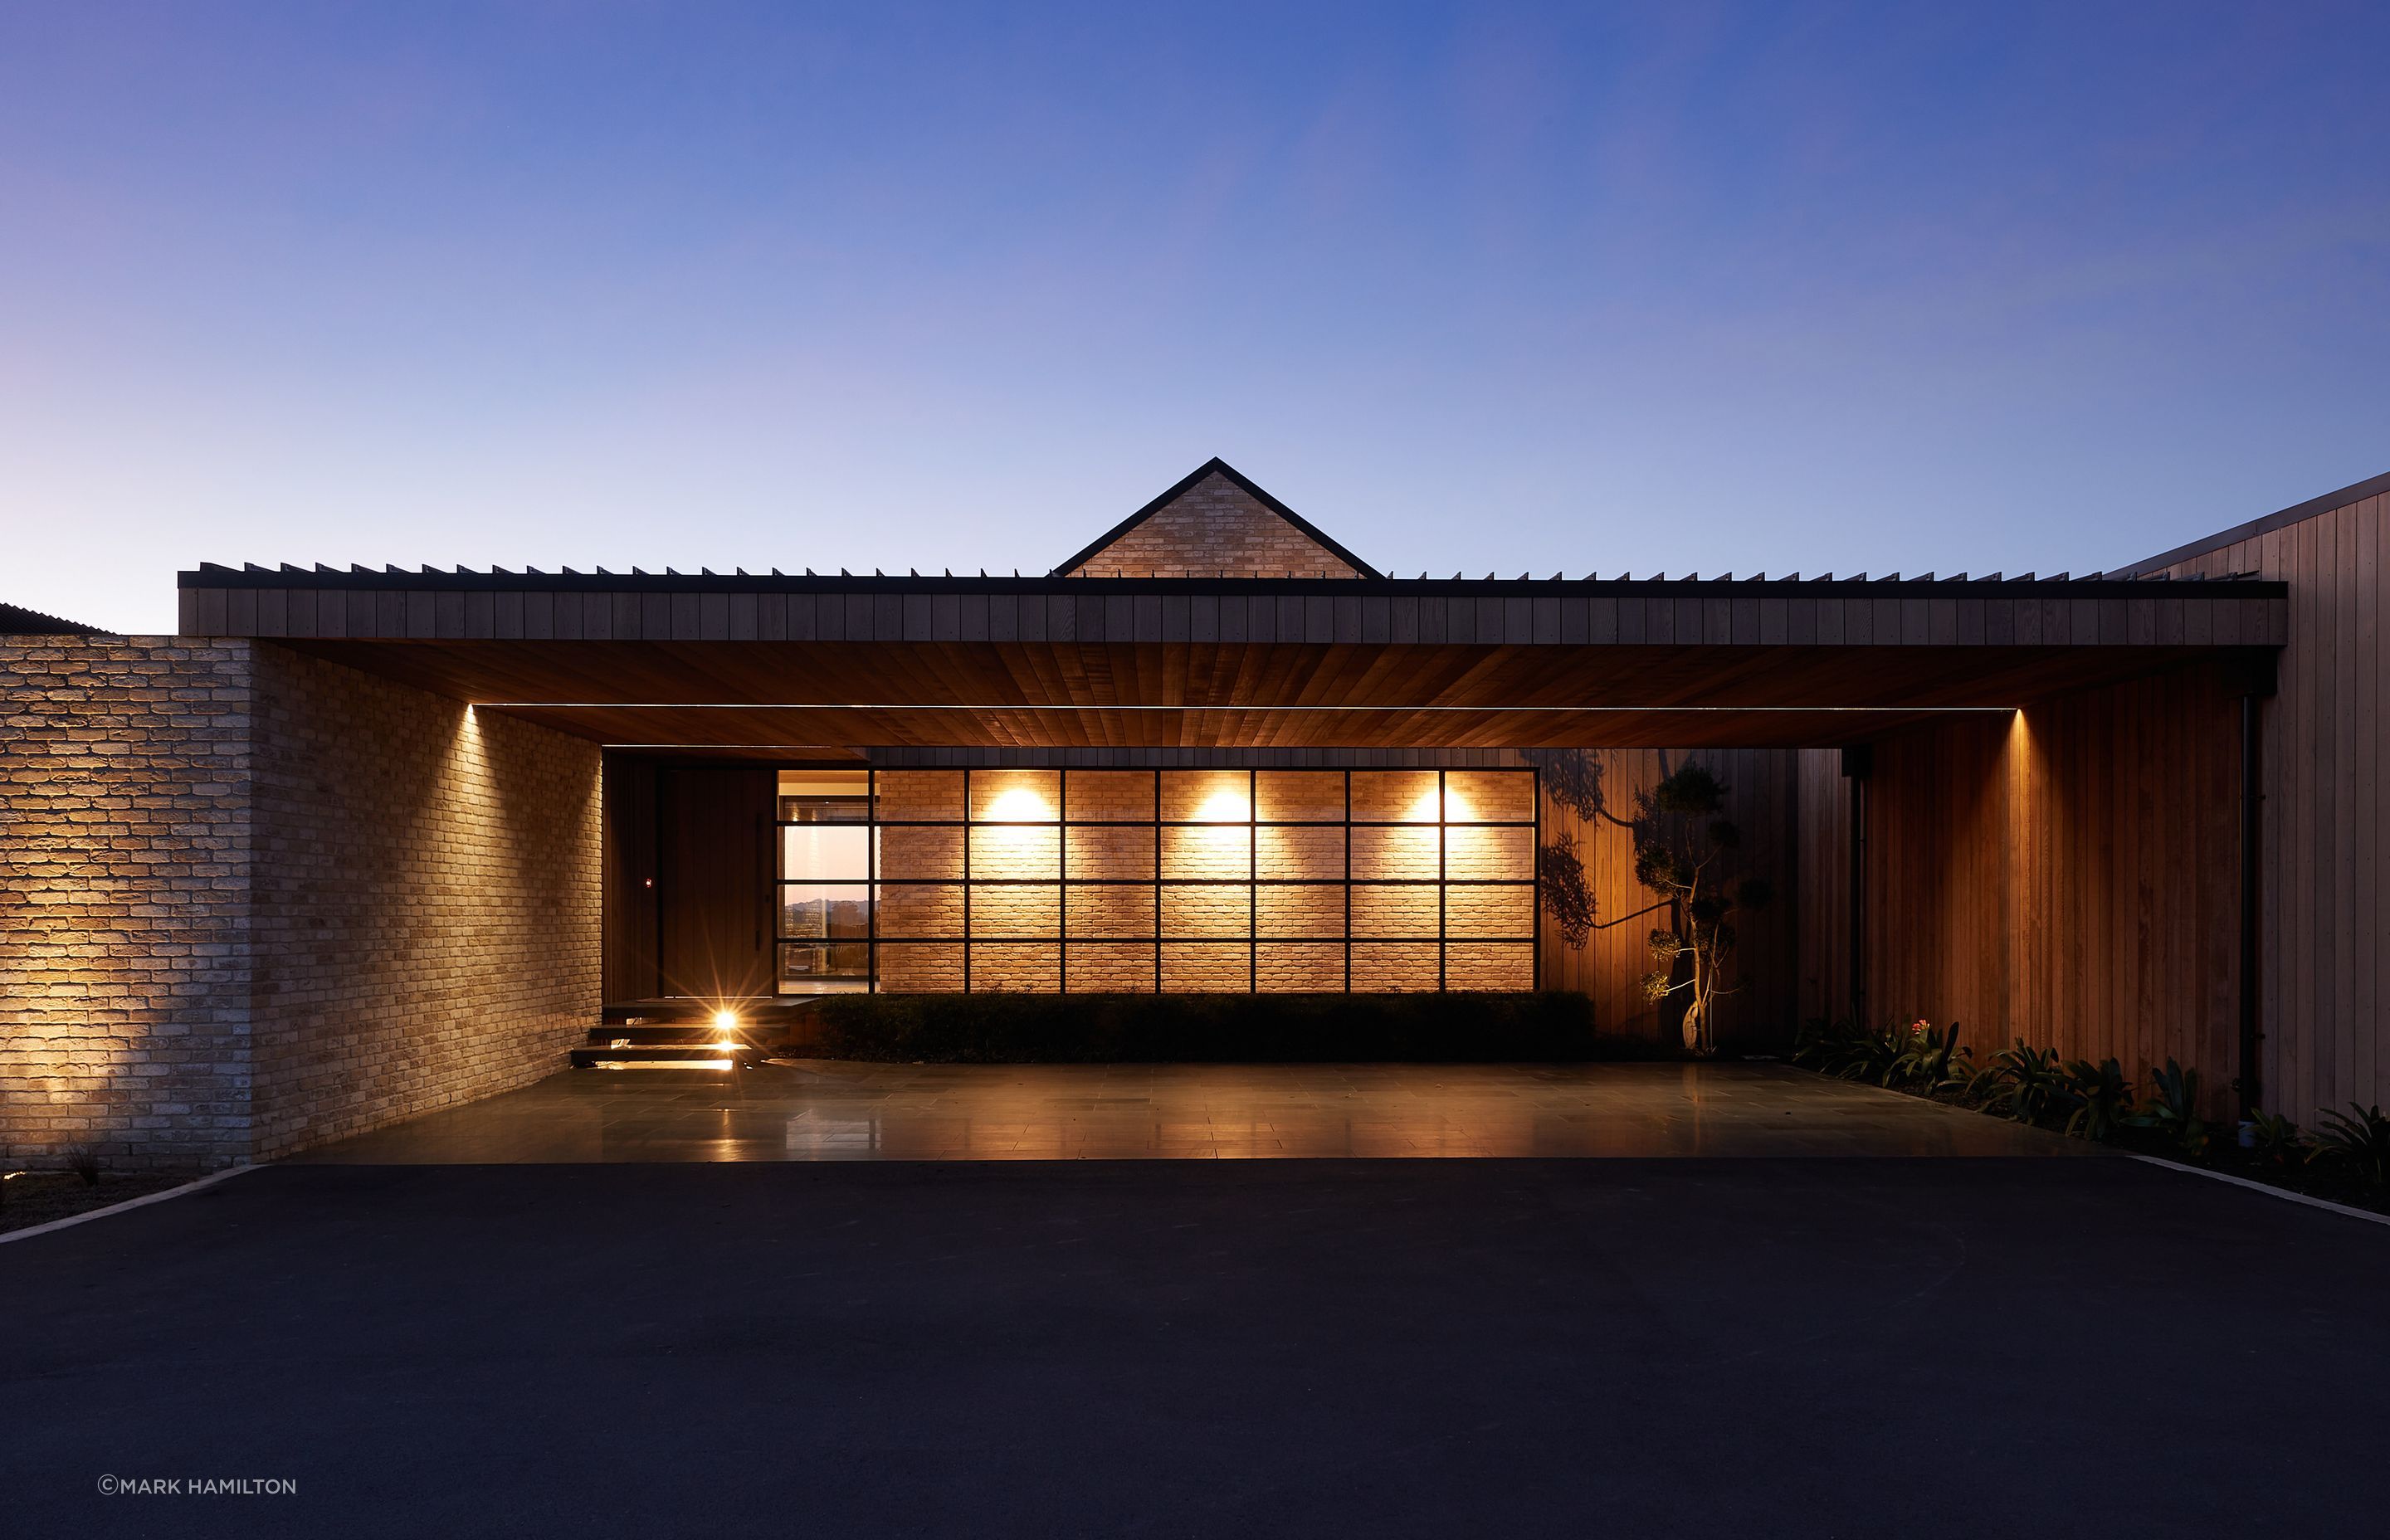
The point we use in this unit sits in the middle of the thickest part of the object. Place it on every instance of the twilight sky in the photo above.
(1685, 286)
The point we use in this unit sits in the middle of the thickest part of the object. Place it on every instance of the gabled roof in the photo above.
(1217, 465)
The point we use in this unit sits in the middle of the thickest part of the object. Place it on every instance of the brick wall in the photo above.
(1214, 529)
(250, 902)
(425, 900)
(124, 961)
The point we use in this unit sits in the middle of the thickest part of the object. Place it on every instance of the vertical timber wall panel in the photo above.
(2325, 921)
(424, 914)
(125, 850)
(2068, 875)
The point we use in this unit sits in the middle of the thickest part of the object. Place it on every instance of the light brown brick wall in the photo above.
(1214, 529)
(125, 853)
(250, 901)
(425, 900)
(1298, 913)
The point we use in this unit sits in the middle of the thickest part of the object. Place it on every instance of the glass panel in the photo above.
(1395, 855)
(1207, 910)
(920, 968)
(1110, 853)
(1200, 851)
(1305, 853)
(910, 853)
(1392, 967)
(1489, 796)
(845, 965)
(1393, 796)
(1481, 965)
(1508, 912)
(1490, 854)
(823, 852)
(922, 796)
(824, 797)
(1110, 796)
(1405, 910)
(1107, 911)
(1299, 796)
(1000, 852)
(825, 909)
(1110, 967)
(1015, 910)
(1034, 968)
(1310, 968)
(1206, 796)
(1307, 913)
(1016, 796)
(1198, 968)
(920, 910)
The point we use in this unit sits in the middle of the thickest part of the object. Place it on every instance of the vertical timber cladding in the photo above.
(1069, 881)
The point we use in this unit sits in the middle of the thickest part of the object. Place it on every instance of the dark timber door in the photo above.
(713, 855)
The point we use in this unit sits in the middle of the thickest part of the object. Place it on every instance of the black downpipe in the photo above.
(1859, 762)
(2250, 1084)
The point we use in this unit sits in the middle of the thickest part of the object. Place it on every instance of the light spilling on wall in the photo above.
(1019, 804)
(1224, 807)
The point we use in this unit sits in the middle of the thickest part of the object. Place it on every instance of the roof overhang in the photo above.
(747, 664)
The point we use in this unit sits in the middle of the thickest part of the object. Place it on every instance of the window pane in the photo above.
(823, 852)
(1206, 796)
(1300, 797)
(920, 910)
(1489, 796)
(1393, 796)
(922, 796)
(1016, 796)
(825, 910)
(844, 965)
(1111, 796)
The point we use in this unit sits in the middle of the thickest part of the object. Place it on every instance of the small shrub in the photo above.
(1928, 1056)
(2358, 1138)
(2023, 1082)
(2097, 1096)
(2276, 1138)
(84, 1161)
(2173, 1107)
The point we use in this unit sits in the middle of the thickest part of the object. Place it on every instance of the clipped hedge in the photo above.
(1144, 1029)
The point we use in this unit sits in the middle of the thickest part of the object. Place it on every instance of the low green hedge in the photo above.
(1087, 1029)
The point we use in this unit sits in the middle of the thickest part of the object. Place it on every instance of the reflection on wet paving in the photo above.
(831, 1111)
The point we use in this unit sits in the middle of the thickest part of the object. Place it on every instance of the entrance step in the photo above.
(660, 1055)
(681, 1032)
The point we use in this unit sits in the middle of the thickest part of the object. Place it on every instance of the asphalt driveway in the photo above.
(1749, 1347)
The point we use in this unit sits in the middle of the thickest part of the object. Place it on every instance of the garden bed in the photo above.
(1920, 1061)
(38, 1197)
(1551, 1026)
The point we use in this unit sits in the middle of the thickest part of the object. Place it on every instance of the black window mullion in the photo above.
(967, 880)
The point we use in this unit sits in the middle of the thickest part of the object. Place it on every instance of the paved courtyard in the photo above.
(831, 1111)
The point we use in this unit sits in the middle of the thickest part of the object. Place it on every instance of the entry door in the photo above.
(714, 896)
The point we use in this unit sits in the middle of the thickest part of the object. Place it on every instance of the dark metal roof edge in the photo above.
(2092, 585)
(1311, 530)
(2297, 513)
(18, 620)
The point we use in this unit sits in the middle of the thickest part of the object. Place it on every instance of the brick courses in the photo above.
(250, 902)
(1214, 529)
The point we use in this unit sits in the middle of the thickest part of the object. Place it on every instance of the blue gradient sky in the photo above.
(1675, 286)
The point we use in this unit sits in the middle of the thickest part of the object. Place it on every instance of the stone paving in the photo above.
(832, 1110)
